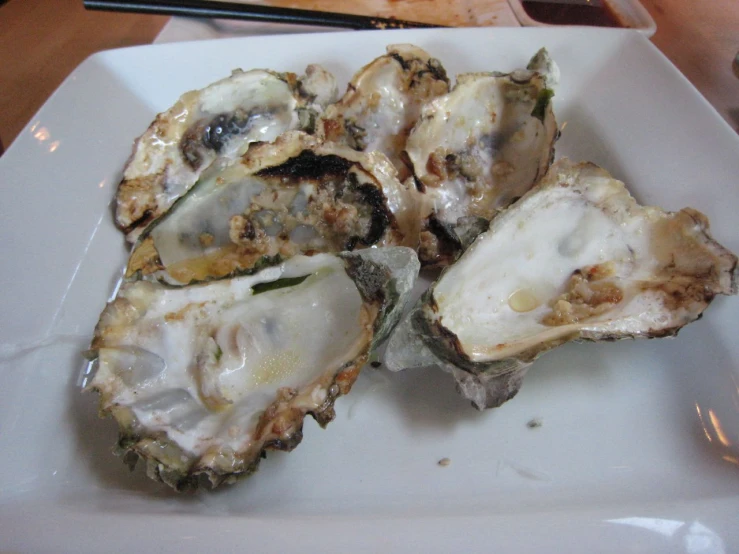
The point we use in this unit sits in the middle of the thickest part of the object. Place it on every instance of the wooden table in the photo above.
(42, 41)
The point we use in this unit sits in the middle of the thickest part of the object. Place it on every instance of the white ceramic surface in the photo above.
(638, 448)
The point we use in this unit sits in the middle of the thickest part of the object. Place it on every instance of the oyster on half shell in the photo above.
(220, 120)
(383, 102)
(476, 150)
(203, 379)
(575, 259)
(292, 196)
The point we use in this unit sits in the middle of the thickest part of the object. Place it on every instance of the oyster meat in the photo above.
(203, 379)
(476, 150)
(292, 196)
(220, 120)
(575, 259)
(383, 101)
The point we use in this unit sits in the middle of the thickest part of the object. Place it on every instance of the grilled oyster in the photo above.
(383, 101)
(203, 379)
(575, 259)
(284, 198)
(476, 150)
(219, 120)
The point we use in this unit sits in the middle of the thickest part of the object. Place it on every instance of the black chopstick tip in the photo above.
(252, 12)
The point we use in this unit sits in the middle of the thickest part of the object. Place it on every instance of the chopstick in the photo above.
(251, 12)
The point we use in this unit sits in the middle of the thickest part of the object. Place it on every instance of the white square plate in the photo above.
(638, 448)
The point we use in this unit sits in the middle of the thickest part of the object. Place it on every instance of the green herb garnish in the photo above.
(278, 284)
(542, 101)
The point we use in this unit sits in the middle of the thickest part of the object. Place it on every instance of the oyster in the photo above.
(203, 379)
(476, 150)
(220, 120)
(284, 198)
(383, 101)
(575, 259)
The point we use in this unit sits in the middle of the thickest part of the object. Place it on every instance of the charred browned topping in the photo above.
(437, 70)
(428, 248)
(180, 315)
(586, 296)
(324, 416)
(429, 80)
(437, 165)
(140, 222)
(682, 292)
(191, 145)
(246, 230)
(144, 258)
(333, 129)
(380, 216)
(356, 135)
(404, 64)
(303, 93)
(439, 245)
(282, 422)
(206, 239)
(136, 203)
(117, 315)
(339, 216)
(343, 208)
(309, 165)
(375, 101)
(291, 79)
(445, 165)
(347, 377)
(420, 68)
(598, 272)
(252, 240)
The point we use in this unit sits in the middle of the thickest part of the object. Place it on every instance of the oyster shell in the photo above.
(476, 150)
(284, 198)
(203, 379)
(383, 101)
(575, 259)
(542, 63)
(220, 120)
